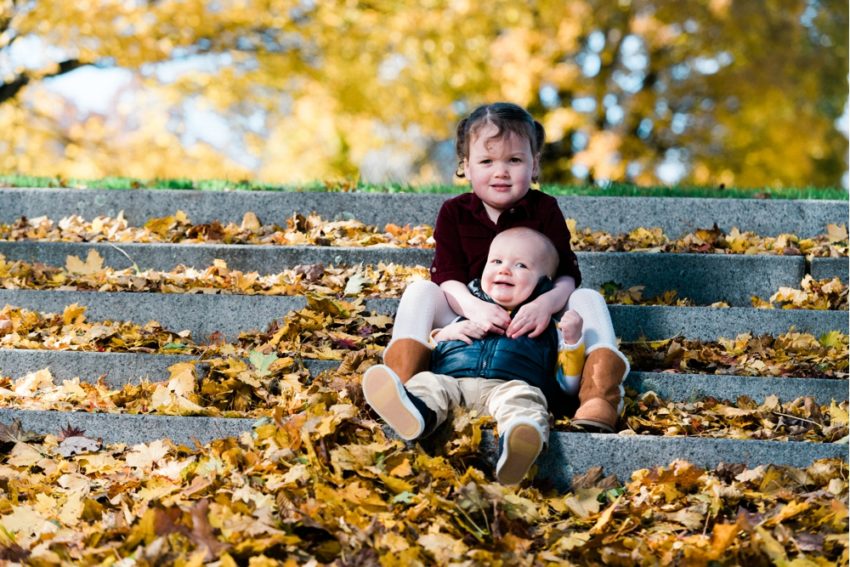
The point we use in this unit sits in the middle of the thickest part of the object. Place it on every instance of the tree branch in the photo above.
(10, 90)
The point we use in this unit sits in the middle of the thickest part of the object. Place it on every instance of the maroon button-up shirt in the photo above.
(463, 233)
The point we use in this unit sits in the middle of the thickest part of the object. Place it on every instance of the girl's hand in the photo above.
(489, 316)
(532, 319)
(570, 326)
(464, 331)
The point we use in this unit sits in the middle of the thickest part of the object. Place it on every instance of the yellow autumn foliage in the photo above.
(329, 90)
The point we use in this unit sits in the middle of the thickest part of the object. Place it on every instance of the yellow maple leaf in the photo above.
(24, 455)
(583, 503)
(73, 314)
(836, 233)
(92, 265)
(28, 385)
(837, 414)
(250, 222)
(144, 456)
(27, 524)
(160, 226)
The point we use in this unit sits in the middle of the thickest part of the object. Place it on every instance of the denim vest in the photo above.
(497, 356)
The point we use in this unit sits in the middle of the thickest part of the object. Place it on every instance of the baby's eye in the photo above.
(516, 160)
(495, 261)
(521, 265)
(485, 161)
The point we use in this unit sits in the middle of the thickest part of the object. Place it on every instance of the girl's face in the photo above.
(499, 169)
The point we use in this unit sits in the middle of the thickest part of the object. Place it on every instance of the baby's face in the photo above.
(514, 266)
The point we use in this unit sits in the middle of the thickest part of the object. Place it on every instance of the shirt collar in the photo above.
(521, 208)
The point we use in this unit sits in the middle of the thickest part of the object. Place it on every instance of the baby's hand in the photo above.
(461, 331)
(489, 317)
(570, 326)
(531, 319)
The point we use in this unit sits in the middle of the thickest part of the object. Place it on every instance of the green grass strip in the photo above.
(612, 189)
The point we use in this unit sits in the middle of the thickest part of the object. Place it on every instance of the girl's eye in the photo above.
(516, 160)
(485, 161)
(520, 265)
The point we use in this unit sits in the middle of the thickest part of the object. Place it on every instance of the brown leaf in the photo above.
(202, 531)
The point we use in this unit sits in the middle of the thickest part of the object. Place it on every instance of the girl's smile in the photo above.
(499, 169)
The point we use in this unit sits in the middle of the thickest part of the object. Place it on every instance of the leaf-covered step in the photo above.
(230, 315)
(702, 279)
(313, 230)
(237, 389)
(788, 354)
(569, 453)
(115, 369)
(674, 216)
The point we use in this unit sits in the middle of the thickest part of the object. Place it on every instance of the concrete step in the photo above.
(703, 278)
(118, 369)
(233, 314)
(828, 268)
(676, 216)
(568, 454)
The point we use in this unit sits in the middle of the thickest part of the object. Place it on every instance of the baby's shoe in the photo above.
(408, 415)
(519, 446)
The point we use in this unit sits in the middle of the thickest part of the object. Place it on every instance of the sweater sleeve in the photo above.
(555, 227)
(448, 261)
(570, 365)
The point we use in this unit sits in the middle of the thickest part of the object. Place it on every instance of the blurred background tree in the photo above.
(693, 92)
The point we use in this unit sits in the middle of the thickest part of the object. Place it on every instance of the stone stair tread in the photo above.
(118, 369)
(568, 454)
(675, 215)
(703, 278)
(828, 268)
(230, 314)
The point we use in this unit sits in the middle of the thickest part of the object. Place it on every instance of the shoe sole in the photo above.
(521, 449)
(385, 394)
(602, 427)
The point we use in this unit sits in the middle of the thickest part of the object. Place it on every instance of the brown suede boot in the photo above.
(601, 393)
(407, 356)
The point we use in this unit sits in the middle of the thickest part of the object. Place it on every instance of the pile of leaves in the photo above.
(832, 244)
(323, 483)
(800, 420)
(381, 280)
(615, 294)
(788, 354)
(813, 294)
(326, 329)
(367, 281)
(312, 229)
(823, 295)
(329, 329)
(298, 230)
(234, 387)
(25, 329)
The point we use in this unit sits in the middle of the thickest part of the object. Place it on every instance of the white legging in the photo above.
(423, 307)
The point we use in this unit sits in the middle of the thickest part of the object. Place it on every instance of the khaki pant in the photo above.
(502, 399)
